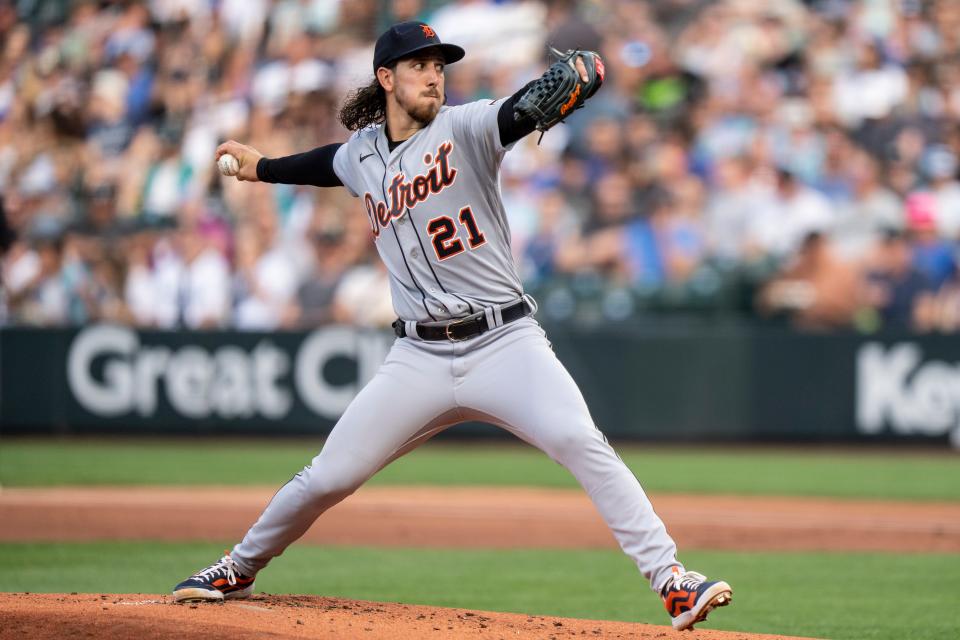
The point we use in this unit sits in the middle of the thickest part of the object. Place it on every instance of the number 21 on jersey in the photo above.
(443, 230)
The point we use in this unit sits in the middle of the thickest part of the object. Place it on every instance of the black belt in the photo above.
(465, 328)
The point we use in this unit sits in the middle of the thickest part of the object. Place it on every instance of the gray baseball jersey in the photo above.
(436, 213)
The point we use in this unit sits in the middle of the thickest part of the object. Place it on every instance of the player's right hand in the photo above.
(246, 156)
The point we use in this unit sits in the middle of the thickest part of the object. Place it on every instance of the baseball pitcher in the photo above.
(467, 347)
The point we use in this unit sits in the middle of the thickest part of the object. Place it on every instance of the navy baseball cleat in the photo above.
(688, 598)
(218, 581)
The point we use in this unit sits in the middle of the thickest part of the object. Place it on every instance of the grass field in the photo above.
(843, 596)
(888, 475)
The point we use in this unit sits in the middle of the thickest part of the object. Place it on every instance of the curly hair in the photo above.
(364, 107)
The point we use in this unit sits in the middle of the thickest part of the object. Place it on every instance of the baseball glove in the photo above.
(560, 91)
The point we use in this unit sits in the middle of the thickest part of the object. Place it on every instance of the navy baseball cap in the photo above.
(406, 38)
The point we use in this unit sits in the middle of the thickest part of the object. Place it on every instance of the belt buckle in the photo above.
(455, 323)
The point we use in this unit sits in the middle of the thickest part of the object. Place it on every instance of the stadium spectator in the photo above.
(870, 210)
(793, 213)
(932, 255)
(329, 262)
(265, 279)
(816, 291)
(734, 205)
(557, 222)
(39, 288)
(362, 297)
(941, 168)
(727, 135)
(896, 289)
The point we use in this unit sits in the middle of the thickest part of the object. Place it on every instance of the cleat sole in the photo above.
(208, 595)
(197, 595)
(239, 594)
(719, 600)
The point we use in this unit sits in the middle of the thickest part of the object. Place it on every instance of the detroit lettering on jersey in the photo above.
(406, 194)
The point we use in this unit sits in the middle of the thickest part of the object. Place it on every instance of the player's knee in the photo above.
(333, 481)
(565, 444)
(326, 487)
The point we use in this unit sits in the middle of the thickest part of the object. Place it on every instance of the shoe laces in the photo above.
(688, 580)
(224, 567)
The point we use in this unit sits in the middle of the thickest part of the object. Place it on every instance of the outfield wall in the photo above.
(732, 384)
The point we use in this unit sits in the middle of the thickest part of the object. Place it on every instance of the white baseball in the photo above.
(228, 165)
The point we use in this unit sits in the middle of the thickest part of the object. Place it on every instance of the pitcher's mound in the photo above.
(57, 616)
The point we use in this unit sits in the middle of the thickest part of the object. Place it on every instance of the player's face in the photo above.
(418, 86)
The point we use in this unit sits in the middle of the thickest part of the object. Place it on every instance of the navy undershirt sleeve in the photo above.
(312, 167)
(512, 129)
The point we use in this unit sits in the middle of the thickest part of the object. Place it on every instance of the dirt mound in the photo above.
(152, 617)
(479, 517)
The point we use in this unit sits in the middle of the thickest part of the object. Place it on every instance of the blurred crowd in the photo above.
(789, 162)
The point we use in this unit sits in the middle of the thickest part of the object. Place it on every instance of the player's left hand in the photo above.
(582, 69)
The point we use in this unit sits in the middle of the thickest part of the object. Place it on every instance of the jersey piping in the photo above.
(423, 250)
(413, 278)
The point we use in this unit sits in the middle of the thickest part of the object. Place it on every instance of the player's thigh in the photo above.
(524, 387)
(408, 394)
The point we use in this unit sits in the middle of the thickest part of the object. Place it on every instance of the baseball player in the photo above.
(467, 345)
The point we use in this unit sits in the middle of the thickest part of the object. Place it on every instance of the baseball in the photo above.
(229, 166)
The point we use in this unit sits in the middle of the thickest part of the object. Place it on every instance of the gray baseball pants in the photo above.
(509, 377)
